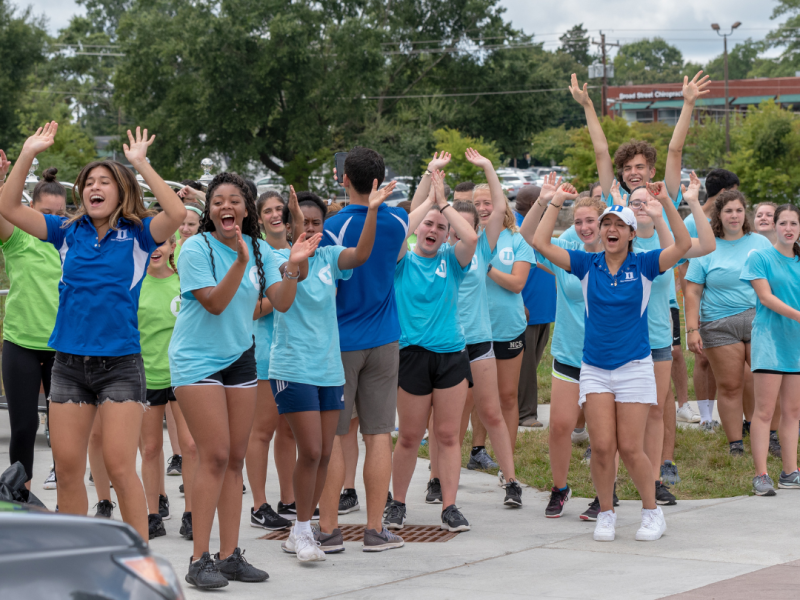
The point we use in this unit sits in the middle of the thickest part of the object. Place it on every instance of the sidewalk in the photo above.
(518, 553)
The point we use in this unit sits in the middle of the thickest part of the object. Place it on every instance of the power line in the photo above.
(539, 91)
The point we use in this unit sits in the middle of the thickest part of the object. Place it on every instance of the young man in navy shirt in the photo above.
(369, 331)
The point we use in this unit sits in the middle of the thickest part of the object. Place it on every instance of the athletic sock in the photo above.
(578, 430)
(476, 449)
(563, 489)
(302, 526)
(706, 408)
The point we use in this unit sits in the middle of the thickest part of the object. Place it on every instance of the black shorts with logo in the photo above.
(512, 349)
(422, 371)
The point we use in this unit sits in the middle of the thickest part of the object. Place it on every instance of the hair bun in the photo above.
(50, 174)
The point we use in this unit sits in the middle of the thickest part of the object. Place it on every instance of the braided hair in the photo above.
(249, 224)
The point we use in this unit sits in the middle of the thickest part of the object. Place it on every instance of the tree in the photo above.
(575, 42)
(459, 168)
(549, 147)
(705, 145)
(741, 60)
(22, 39)
(647, 61)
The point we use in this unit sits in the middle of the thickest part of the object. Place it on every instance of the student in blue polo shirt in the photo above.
(226, 270)
(617, 384)
(105, 247)
(774, 274)
(434, 363)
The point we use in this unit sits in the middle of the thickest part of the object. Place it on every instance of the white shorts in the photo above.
(632, 382)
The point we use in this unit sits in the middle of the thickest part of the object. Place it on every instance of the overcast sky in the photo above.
(683, 23)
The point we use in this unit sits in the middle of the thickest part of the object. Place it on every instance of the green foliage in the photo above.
(575, 42)
(550, 146)
(705, 145)
(767, 154)
(647, 61)
(460, 169)
(741, 60)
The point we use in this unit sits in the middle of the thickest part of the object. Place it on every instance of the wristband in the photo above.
(688, 331)
(288, 275)
(427, 172)
(448, 205)
(558, 206)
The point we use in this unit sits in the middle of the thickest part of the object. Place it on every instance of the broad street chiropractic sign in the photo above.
(651, 95)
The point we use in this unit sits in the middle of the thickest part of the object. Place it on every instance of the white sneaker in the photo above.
(579, 436)
(50, 482)
(288, 545)
(687, 415)
(605, 530)
(653, 525)
(307, 548)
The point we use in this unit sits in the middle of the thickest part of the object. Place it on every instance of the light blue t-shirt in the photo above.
(507, 309)
(567, 345)
(202, 343)
(725, 294)
(473, 301)
(266, 324)
(305, 341)
(610, 201)
(659, 319)
(775, 342)
(427, 300)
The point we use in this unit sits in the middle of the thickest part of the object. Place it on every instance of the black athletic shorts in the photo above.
(512, 349)
(160, 397)
(240, 374)
(480, 351)
(676, 326)
(422, 371)
(772, 372)
(566, 372)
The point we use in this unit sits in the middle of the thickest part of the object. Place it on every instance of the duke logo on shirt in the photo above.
(122, 236)
(628, 277)
(254, 277)
(506, 256)
(325, 275)
(441, 271)
(175, 305)
(473, 266)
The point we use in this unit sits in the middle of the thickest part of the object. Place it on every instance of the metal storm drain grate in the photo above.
(409, 533)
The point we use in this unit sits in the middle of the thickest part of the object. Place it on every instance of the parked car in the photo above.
(53, 556)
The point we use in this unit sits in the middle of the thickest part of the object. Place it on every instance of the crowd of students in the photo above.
(247, 319)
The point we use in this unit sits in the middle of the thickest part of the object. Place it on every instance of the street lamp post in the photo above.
(716, 28)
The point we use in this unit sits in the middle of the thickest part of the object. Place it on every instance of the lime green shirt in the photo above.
(159, 305)
(412, 242)
(34, 271)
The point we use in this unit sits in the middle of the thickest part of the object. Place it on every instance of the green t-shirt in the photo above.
(34, 271)
(159, 305)
(412, 242)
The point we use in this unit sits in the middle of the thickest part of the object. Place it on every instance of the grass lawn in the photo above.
(704, 465)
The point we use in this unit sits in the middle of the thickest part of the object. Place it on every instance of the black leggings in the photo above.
(23, 371)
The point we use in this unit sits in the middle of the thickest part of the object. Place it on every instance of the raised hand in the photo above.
(653, 208)
(294, 210)
(136, 153)
(566, 191)
(378, 197)
(692, 193)
(439, 161)
(42, 139)
(304, 248)
(5, 165)
(476, 159)
(659, 191)
(242, 252)
(438, 188)
(581, 94)
(549, 187)
(616, 196)
(695, 88)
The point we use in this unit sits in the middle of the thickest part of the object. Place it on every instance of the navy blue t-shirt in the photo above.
(365, 304)
(616, 306)
(539, 293)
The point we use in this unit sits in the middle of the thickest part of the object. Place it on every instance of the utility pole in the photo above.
(602, 43)
(716, 28)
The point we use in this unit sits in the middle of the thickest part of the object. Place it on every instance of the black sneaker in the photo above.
(204, 573)
(513, 494)
(745, 428)
(590, 514)
(105, 509)
(557, 501)
(163, 507)
(175, 465)
(434, 495)
(180, 488)
(236, 568)
(453, 520)
(155, 526)
(348, 502)
(289, 511)
(395, 515)
(736, 448)
(186, 526)
(388, 504)
(774, 445)
(663, 496)
(266, 518)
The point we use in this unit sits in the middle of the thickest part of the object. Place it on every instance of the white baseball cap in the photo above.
(623, 212)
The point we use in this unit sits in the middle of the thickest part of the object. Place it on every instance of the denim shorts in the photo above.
(661, 354)
(97, 379)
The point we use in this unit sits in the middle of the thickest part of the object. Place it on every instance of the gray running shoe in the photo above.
(204, 573)
(395, 515)
(236, 568)
(790, 481)
(434, 495)
(736, 448)
(378, 542)
(762, 485)
(105, 509)
(587, 456)
(774, 445)
(453, 520)
(709, 426)
(330, 543)
(348, 502)
(669, 473)
(481, 460)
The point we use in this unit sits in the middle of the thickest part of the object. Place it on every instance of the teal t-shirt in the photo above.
(567, 345)
(473, 301)
(507, 309)
(426, 290)
(265, 326)
(659, 319)
(305, 341)
(159, 306)
(202, 343)
(725, 294)
(775, 341)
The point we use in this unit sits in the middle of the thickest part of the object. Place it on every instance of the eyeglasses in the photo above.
(637, 204)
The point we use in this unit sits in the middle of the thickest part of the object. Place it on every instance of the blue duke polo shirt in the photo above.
(539, 293)
(616, 306)
(99, 287)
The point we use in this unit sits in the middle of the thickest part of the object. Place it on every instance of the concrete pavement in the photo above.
(712, 548)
